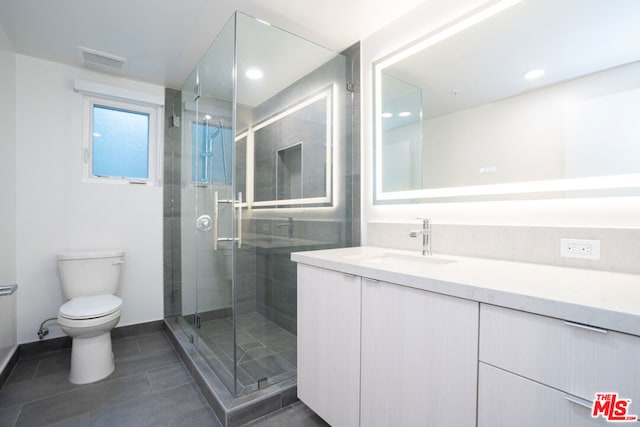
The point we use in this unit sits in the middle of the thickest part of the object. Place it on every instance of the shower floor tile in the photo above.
(264, 349)
(266, 367)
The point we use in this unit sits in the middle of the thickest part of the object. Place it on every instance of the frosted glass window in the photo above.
(120, 143)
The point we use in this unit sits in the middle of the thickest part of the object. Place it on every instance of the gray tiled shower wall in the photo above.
(171, 205)
(335, 74)
(275, 275)
(275, 278)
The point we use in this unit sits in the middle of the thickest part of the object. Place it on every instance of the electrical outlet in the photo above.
(580, 248)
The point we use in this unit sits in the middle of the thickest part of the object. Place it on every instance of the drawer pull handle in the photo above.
(349, 276)
(578, 401)
(8, 290)
(372, 281)
(587, 327)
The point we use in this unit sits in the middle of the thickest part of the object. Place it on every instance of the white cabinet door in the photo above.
(329, 344)
(506, 400)
(419, 357)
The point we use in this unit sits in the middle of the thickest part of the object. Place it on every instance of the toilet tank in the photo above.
(90, 273)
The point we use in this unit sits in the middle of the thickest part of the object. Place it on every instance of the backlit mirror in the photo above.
(521, 99)
(292, 154)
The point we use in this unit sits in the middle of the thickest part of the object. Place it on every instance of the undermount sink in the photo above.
(397, 260)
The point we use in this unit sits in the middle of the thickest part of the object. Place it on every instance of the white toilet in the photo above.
(89, 282)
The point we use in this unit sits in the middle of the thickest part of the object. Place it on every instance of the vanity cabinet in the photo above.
(329, 344)
(419, 357)
(559, 366)
(417, 364)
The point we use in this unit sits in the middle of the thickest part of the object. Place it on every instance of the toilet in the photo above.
(89, 282)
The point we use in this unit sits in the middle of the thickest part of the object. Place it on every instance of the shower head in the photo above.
(215, 132)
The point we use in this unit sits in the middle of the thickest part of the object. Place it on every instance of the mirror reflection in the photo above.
(538, 98)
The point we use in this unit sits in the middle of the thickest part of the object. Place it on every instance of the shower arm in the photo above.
(216, 217)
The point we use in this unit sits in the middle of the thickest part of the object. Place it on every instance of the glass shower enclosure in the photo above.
(265, 169)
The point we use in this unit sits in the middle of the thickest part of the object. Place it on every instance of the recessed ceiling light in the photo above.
(534, 74)
(254, 73)
(386, 115)
(404, 114)
(207, 117)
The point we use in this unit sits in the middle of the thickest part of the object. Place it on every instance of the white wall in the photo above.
(7, 196)
(7, 161)
(430, 15)
(57, 211)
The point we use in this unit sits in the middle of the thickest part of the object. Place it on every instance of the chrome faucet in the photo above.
(426, 236)
(289, 224)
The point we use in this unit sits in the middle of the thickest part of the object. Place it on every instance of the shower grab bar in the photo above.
(216, 216)
(7, 290)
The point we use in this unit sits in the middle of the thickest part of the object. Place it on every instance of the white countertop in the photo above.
(598, 298)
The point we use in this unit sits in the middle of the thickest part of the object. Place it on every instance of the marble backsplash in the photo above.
(619, 248)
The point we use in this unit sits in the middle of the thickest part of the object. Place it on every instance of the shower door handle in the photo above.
(216, 222)
(239, 217)
(216, 214)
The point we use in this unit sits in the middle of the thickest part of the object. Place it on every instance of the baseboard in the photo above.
(138, 329)
(29, 350)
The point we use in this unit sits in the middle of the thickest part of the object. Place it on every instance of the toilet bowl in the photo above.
(89, 281)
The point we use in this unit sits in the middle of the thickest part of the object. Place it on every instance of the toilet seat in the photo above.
(94, 307)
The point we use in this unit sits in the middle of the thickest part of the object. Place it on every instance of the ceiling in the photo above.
(163, 40)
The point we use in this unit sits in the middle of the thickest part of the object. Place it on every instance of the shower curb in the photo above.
(231, 411)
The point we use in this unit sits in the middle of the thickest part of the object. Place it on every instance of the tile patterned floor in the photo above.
(295, 415)
(150, 386)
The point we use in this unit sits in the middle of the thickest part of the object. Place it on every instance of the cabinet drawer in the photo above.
(505, 399)
(575, 359)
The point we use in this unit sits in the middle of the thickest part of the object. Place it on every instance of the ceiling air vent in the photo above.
(101, 61)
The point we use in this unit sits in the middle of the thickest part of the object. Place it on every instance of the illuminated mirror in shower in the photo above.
(292, 155)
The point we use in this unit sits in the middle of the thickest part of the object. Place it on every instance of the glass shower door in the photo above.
(209, 227)
(266, 170)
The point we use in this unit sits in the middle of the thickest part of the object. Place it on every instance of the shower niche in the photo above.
(289, 172)
(264, 168)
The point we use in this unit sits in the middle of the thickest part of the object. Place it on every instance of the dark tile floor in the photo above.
(150, 387)
(295, 415)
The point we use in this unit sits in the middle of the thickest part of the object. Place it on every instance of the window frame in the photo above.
(155, 133)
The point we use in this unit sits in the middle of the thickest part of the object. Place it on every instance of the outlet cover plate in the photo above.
(580, 248)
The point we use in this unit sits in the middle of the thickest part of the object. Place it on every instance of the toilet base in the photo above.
(91, 359)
